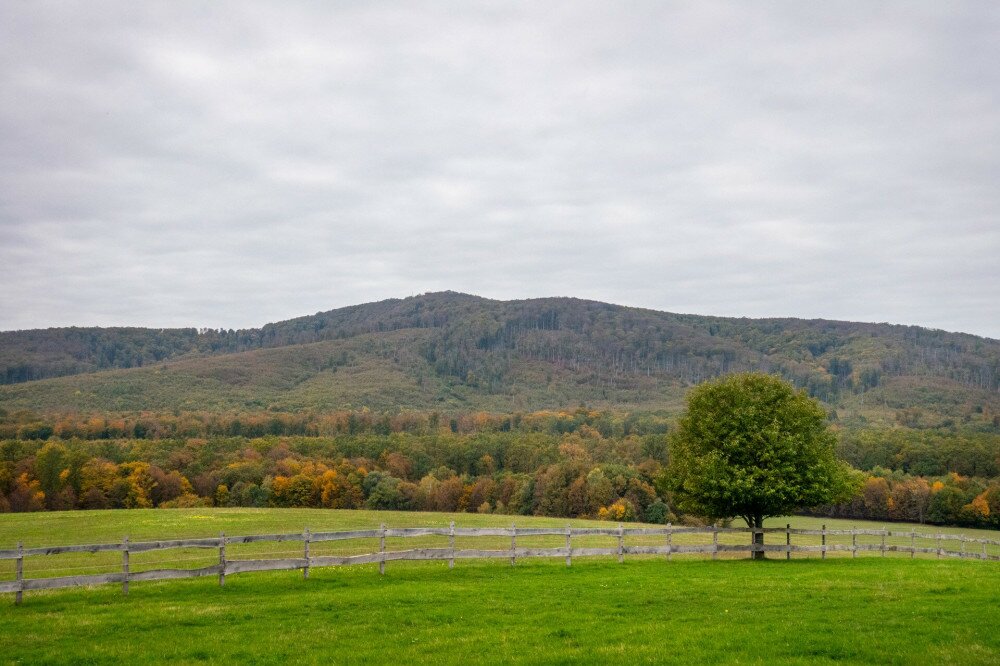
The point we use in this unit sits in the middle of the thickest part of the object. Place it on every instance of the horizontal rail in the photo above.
(71, 581)
(417, 531)
(144, 546)
(59, 550)
(340, 536)
(171, 574)
(343, 560)
(284, 564)
(260, 538)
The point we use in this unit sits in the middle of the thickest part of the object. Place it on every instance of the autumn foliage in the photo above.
(557, 463)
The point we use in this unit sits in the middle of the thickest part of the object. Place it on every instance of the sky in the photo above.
(230, 164)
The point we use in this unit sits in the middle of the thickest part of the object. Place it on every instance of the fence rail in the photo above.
(227, 566)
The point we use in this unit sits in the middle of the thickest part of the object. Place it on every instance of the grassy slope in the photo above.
(806, 611)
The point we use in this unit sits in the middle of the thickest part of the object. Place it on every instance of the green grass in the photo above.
(646, 610)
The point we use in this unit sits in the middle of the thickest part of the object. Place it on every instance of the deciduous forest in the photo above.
(581, 463)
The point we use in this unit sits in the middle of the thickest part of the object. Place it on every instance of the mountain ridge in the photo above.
(469, 351)
(445, 293)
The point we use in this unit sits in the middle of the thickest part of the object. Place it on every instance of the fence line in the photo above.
(226, 566)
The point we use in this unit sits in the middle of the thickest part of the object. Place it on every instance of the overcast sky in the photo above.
(229, 164)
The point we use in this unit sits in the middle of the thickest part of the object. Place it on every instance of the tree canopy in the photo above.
(750, 446)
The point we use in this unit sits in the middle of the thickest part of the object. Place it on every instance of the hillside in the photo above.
(455, 351)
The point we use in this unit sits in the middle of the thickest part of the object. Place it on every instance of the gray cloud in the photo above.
(172, 164)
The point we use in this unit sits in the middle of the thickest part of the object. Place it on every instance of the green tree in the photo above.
(750, 446)
(50, 462)
(946, 506)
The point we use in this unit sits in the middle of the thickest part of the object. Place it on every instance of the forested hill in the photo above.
(460, 351)
(56, 352)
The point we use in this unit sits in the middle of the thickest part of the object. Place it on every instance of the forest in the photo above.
(463, 353)
(581, 463)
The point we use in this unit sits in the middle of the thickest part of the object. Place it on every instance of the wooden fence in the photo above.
(972, 548)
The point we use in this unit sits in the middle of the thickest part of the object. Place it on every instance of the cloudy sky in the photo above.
(229, 164)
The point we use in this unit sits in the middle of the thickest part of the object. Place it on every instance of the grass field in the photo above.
(871, 609)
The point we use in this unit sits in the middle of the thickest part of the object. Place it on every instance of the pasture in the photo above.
(869, 609)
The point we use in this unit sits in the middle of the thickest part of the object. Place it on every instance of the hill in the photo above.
(456, 351)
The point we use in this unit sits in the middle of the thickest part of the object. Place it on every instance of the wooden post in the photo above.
(381, 550)
(222, 559)
(569, 546)
(513, 543)
(715, 542)
(854, 542)
(985, 556)
(788, 541)
(963, 545)
(125, 566)
(621, 544)
(19, 574)
(939, 545)
(822, 554)
(451, 544)
(913, 544)
(883, 541)
(305, 553)
(670, 540)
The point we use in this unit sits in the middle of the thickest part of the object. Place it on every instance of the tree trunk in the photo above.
(758, 537)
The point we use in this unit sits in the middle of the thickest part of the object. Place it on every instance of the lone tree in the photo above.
(751, 446)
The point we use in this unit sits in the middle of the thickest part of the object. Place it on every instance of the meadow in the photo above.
(869, 609)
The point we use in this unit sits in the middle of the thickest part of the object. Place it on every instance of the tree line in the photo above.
(553, 464)
(952, 499)
(25, 424)
(920, 452)
(578, 473)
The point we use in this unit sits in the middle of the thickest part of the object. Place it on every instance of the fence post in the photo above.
(569, 545)
(670, 540)
(451, 544)
(381, 550)
(939, 545)
(222, 559)
(513, 543)
(788, 541)
(19, 573)
(913, 544)
(854, 541)
(715, 542)
(305, 552)
(621, 544)
(125, 566)
(963, 545)
(822, 543)
(985, 556)
(883, 541)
